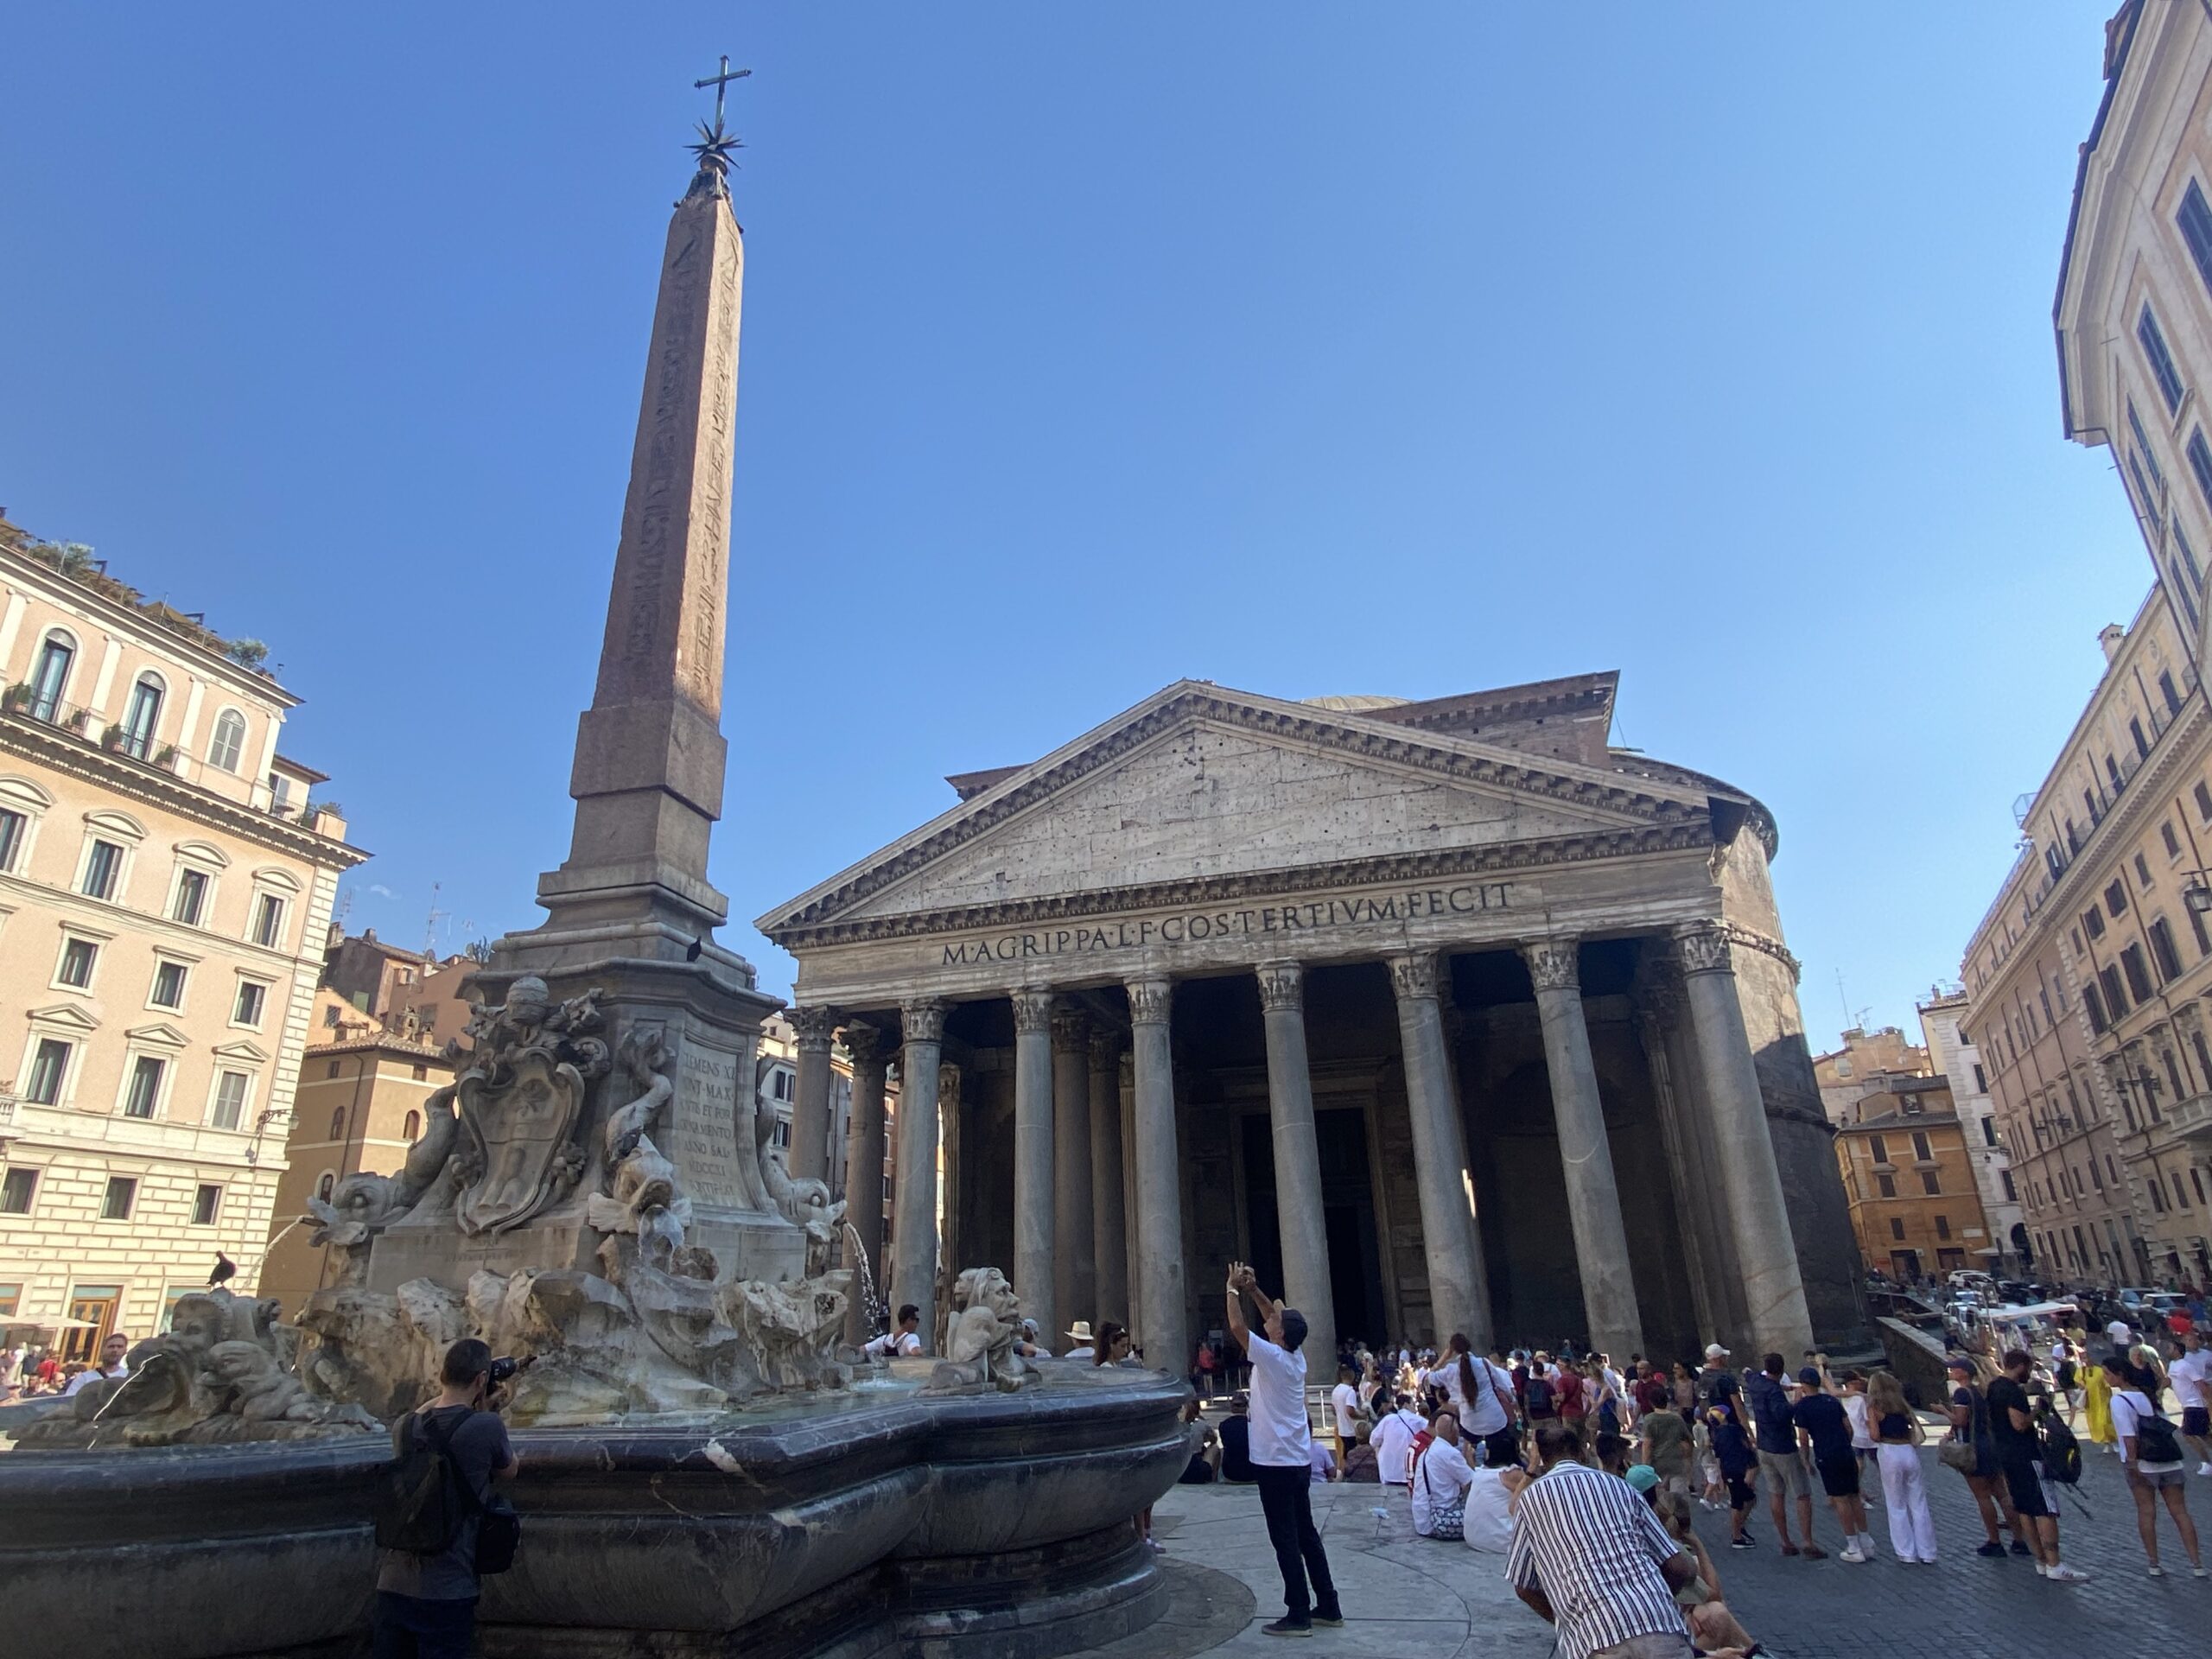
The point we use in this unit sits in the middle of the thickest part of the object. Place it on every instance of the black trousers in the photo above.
(1502, 1449)
(1289, 1508)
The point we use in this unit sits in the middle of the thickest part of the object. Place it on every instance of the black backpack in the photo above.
(2155, 1439)
(2062, 1452)
(1540, 1395)
(421, 1501)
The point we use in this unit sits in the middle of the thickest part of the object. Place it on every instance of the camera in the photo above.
(503, 1370)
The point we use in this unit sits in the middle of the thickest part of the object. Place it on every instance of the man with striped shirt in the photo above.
(1591, 1557)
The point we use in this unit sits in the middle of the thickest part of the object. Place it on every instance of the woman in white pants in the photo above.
(1897, 1435)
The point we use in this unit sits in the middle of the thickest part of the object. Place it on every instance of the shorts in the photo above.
(2197, 1421)
(1840, 1475)
(1739, 1490)
(2159, 1479)
(1787, 1472)
(2024, 1479)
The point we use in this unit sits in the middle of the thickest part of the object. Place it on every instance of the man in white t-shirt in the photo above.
(1282, 1449)
(2121, 1334)
(1344, 1404)
(903, 1340)
(2188, 1372)
(1393, 1438)
(112, 1367)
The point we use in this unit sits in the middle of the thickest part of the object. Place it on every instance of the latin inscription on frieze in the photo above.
(1288, 922)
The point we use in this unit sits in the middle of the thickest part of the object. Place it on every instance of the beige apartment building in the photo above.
(1952, 1056)
(361, 1105)
(2134, 309)
(166, 883)
(1915, 1206)
(2086, 982)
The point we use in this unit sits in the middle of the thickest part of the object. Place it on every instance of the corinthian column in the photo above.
(1302, 1219)
(1108, 1223)
(811, 1029)
(1593, 1199)
(1458, 1292)
(1158, 1179)
(1751, 1181)
(1075, 1272)
(913, 1211)
(864, 1169)
(1033, 1171)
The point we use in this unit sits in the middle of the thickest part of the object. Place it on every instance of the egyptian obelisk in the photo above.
(631, 912)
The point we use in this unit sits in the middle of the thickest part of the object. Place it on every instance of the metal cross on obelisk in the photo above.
(720, 83)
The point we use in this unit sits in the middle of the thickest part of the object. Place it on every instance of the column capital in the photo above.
(1554, 964)
(1106, 1046)
(1656, 997)
(1150, 1000)
(947, 1081)
(1703, 948)
(864, 1043)
(922, 1022)
(1071, 1029)
(1282, 986)
(812, 1028)
(1033, 1008)
(1413, 976)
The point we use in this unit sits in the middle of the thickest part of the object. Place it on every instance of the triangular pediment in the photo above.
(160, 1034)
(1198, 783)
(251, 1054)
(64, 1016)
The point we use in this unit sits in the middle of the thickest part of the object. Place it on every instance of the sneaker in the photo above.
(1850, 1552)
(2155, 1571)
(1287, 1626)
(2200, 1572)
(1995, 1549)
(1741, 1543)
(1330, 1621)
(2204, 1468)
(2064, 1574)
(1813, 1551)
(2020, 1547)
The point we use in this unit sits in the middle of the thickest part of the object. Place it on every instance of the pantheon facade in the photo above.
(1447, 1015)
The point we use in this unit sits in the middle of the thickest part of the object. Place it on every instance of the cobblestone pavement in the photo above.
(1425, 1599)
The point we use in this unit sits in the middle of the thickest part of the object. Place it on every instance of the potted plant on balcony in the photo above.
(76, 720)
(111, 739)
(17, 695)
(165, 757)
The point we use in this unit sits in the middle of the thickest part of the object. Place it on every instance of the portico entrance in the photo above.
(1447, 1016)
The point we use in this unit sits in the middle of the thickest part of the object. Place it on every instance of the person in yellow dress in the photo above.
(2097, 1406)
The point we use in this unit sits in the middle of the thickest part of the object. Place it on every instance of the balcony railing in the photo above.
(2191, 1119)
(23, 702)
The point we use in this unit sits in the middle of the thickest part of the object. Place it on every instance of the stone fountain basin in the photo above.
(962, 1524)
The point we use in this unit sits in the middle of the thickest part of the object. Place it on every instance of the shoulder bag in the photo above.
(1444, 1520)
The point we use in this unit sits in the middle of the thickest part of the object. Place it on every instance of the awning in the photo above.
(57, 1323)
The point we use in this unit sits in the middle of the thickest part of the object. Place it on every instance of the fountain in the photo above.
(596, 1194)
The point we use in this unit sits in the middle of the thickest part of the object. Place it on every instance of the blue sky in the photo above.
(1299, 348)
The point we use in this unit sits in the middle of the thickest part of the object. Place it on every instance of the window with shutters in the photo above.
(2153, 342)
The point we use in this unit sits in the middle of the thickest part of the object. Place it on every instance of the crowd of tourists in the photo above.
(28, 1372)
(1585, 1475)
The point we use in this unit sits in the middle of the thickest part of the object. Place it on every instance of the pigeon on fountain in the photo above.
(226, 1270)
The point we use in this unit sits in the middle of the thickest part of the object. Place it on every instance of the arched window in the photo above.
(51, 678)
(140, 718)
(413, 1129)
(228, 745)
(322, 1188)
(338, 1124)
